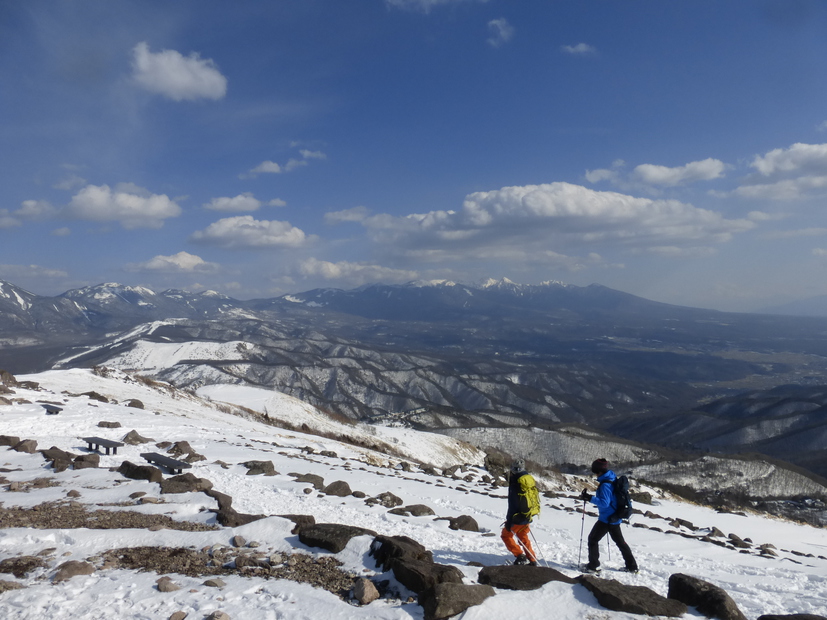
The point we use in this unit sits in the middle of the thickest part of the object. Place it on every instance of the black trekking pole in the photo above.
(582, 526)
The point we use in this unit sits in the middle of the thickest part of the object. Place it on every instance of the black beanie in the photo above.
(600, 466)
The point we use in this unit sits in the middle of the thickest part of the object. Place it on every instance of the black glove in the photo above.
(585, 495)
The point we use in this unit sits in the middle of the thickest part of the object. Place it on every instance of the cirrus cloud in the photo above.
(176, 77)
(501, 32)
(245, 232)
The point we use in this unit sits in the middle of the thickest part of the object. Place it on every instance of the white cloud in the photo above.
(581, 49)
(793, 234)
(179, 78)
(271, 167)
(356, 214)
(277, 202)
(293, 163)
(267, 167)
(522, 221)
(784, 190)
(312, 154)
(7, 221)
(807, 158)
(606, 174)
(705, 170)
(354, 274)
(601, 174)
(35, 210)
(820, 252)
(238, 204)
(128, 204)
(245, 232)
(17, 272)
(501, 32)
(183, 262)
(61, 232)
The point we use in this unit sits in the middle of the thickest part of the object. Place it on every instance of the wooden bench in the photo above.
(95, 443)
(173, 465)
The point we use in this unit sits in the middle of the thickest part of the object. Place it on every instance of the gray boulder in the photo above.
(521, 577)
(28, 446)
(331, 536)
(185, 483)
(60, 459)
(72, 568)
(449, 599)
(257, 468)
(85, 461)
(386, 549)
(340, 488)
(414, 510)
(140, 472)
(465, 523)
(421, 575)
(387, 499)
(9, 440)
(226, 514)
(365, 592)
(299, 521)
(133, 438)
(791, 617)
(616, 596)
(709, 599)
(316, 481)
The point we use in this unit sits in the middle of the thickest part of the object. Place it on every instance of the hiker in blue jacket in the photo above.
(606, 504)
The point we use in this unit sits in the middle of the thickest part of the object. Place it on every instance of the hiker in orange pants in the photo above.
(523, 551)
(523, 503)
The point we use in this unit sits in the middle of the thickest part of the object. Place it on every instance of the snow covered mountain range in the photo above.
(441, 355)
(145, 549)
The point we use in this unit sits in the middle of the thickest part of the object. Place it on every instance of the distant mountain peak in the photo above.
(431, 283)
(506, 284)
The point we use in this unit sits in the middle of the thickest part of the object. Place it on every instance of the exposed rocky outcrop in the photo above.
(711, 600)
(616, 596)
(445, 600)
(521, 577)
(331, 536)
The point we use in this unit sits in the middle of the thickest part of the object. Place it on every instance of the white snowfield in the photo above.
(793, 582)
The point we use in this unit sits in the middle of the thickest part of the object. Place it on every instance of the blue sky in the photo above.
(676, 150)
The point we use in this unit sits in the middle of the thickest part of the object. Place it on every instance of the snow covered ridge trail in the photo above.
(306, 471)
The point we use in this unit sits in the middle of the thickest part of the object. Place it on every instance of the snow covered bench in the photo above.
(99, 442)
(173, 465)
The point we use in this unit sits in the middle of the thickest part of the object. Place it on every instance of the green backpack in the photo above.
(528, 490)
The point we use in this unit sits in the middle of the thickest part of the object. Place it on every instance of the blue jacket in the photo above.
(517, 505)
(604, 498)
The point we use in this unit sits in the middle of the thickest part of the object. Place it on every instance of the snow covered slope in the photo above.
(795, 581)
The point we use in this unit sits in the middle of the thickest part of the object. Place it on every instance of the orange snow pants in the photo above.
(524, 546)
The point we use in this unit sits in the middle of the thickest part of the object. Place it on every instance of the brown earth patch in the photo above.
(322, 572)
(55, 515)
